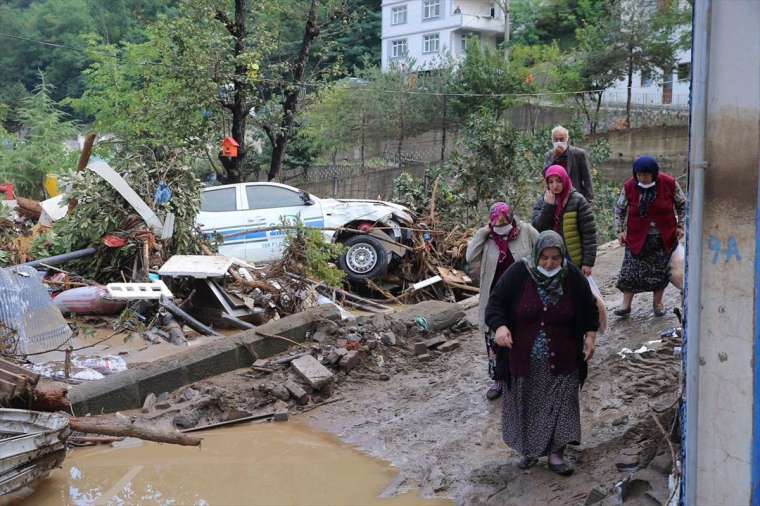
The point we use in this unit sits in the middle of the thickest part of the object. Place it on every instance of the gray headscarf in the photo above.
(552, 287)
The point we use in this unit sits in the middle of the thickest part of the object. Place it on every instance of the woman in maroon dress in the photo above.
(545, 319)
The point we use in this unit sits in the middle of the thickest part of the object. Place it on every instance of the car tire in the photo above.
(364, 258)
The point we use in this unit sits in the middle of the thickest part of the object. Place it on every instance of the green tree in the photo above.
(64, 26)
(483, 74)
(649, 39)
(39, 148)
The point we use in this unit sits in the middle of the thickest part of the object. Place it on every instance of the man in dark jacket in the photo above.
(573, 159)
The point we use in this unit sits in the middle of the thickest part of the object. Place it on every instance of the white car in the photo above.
(239, 212)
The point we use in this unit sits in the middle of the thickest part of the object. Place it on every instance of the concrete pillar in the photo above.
(729, 344)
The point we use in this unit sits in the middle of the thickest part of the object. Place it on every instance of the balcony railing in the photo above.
(479, 23)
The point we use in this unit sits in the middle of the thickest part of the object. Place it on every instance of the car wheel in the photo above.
(364, 258)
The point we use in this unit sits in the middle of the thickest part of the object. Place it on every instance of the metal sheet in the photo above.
(105, 171)
(29, 321)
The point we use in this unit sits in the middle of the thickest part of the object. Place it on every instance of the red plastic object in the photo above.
(7, 189)
(114, 241)
(87, 300)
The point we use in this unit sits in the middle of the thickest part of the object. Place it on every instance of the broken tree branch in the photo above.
(115, 426)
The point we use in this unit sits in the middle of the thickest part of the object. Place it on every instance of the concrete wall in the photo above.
(669, 145)
(729, 283)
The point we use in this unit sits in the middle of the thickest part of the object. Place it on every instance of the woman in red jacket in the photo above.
(649, 218)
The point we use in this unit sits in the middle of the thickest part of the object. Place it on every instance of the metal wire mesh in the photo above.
(29, 321)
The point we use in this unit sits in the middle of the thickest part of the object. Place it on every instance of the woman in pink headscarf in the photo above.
(567, 212)
(495, 247)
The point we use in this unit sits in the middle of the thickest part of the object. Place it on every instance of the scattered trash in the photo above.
(106, 365)
(138, 291)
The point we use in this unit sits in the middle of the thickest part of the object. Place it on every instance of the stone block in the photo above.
(315, 374)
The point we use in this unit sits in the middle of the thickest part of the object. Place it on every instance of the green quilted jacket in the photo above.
(578, 227)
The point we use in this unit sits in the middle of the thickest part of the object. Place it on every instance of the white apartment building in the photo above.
(427, 31)
(671, 89)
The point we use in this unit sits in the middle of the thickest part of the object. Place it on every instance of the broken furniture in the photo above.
(211, 303)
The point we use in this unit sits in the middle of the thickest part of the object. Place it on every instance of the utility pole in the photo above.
(505, 7)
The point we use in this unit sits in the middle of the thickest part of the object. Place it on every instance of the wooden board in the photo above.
(196, 266)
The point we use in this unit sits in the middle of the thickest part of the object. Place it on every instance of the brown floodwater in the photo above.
(264, 464)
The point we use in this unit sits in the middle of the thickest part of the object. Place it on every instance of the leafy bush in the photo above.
(101, 210)
(307, 252)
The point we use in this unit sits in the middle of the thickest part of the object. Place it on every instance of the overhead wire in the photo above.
(307, 84)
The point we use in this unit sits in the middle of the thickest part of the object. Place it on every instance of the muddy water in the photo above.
(268, 464)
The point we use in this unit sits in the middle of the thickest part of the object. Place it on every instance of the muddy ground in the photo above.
(431, 419)
(436, 426)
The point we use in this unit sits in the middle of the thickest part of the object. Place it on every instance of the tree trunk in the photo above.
(629, 90)
(117, 426)
(599, 96)
(50, 396)
(364, 136)
(238, 107)
(290, 104)
(443, 129)
(507, 26)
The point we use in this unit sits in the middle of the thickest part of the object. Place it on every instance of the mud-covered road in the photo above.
(433, 422)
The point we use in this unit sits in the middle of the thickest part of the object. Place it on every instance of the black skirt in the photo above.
(648, 271)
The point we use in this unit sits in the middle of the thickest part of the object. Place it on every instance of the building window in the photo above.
(431, 43)
(431, 9)
(398, 15)
(398, 48)
(684, 71)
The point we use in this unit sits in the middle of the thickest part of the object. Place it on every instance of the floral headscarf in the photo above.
(502, 209)
(551, 286)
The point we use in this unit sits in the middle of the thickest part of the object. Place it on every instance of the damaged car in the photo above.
(246, 216)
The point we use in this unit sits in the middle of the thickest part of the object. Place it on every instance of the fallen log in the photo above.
(50, 396)
(29, 208)
(125, 427)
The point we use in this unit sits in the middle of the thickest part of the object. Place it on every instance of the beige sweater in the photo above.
(483, 249)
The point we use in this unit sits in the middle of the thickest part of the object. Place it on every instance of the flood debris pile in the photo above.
(638, 407)
(336, 356)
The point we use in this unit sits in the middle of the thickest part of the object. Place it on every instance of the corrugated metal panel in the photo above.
(29, 321)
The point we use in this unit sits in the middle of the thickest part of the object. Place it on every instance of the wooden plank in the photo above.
(7, 389)
(17, 369)
(16, 379)
(196, 266)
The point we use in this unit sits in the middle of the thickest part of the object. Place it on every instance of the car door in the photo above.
(267, 206)
(222, 213)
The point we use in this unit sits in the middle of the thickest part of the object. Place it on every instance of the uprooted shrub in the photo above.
(308, 253)
(101, 211)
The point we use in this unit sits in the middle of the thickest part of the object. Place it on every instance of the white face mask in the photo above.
(502, 230)
(560, 145)
(551, 273)
(648, 185)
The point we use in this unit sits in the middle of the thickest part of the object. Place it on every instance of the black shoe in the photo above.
(527, 462)
(563, 469)
(494, 392)
(622, 312)
(659, 311)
